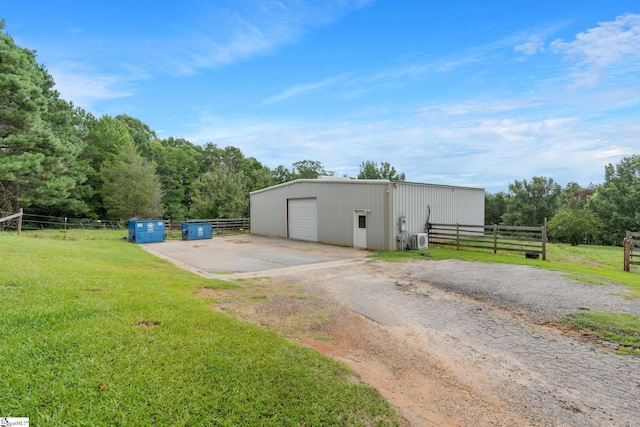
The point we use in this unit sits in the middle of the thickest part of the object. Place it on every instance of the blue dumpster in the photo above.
(196, 230)
(146, 231)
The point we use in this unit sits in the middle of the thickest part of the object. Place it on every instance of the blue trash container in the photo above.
(196, 230)
(146, 231)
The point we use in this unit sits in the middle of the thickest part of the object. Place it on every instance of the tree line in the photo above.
(595, 214)
(60, 160)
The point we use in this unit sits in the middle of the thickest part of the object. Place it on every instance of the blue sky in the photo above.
(463, 93)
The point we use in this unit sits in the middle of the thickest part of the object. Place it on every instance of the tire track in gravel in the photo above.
(453, 343)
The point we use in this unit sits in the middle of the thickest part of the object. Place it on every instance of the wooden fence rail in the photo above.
(631, 241)
(530, 240)
(18, 217)
(220, 225)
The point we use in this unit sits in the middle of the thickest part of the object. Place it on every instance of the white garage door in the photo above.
(303, 219)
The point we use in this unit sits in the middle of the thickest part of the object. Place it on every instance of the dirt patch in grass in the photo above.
(148, 323)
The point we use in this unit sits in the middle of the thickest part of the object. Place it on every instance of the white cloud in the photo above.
(533, 46)
(488, 139)
(481, 106)
(608, 46)
(441, 144)
(85, 86)
(534, 40)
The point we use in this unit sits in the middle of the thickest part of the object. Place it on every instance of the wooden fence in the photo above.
(532, 241)
(220, 225)
(631, 241)
(17, 217)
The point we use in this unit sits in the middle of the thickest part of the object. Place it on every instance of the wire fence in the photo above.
(31, 222)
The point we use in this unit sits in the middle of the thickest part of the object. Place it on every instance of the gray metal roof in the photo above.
(347, 181)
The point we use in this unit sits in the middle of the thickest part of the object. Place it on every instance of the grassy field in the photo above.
(595, 265)
(97, 332)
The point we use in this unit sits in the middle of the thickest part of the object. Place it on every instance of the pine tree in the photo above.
(38, 145)
(131, 187)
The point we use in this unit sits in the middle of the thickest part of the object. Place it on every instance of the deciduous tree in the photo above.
(617, 200)
(177, 166)
(530, 202)
(220, 193)
(371, 170)
(494, 207)
(577, 225)
(281, 175)
(309, 169)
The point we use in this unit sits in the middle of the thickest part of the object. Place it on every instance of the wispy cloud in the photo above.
(303, 89)
(451, 144)
(533, 42)
(86, 86)
(534, 45)
(221, 37)
(486, 129)
(352, 85)
(486, 138)
(612, 45)
(258, 29)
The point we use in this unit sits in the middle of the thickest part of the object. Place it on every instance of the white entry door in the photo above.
(360, 229)
(303, 219)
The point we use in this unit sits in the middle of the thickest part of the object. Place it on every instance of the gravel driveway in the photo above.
(482, 322)
(544, 295)
(450, 342)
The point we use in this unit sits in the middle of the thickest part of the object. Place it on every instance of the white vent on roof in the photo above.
(335, 178)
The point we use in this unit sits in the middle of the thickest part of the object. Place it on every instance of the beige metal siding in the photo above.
(268, 214)
(337, 201)
(337, 204)
(449, 205)
(384, 203)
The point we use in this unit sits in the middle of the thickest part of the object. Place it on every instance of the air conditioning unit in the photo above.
(420, 241)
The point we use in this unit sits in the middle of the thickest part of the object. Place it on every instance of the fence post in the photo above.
(631, 246)
(495, 239)
(627, 250)
(20, 222)
(457, 237)
(544, 240)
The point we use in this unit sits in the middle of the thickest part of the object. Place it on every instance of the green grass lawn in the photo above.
(95, 331)
(595, 265)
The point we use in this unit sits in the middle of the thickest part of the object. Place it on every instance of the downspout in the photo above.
(391, 225)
